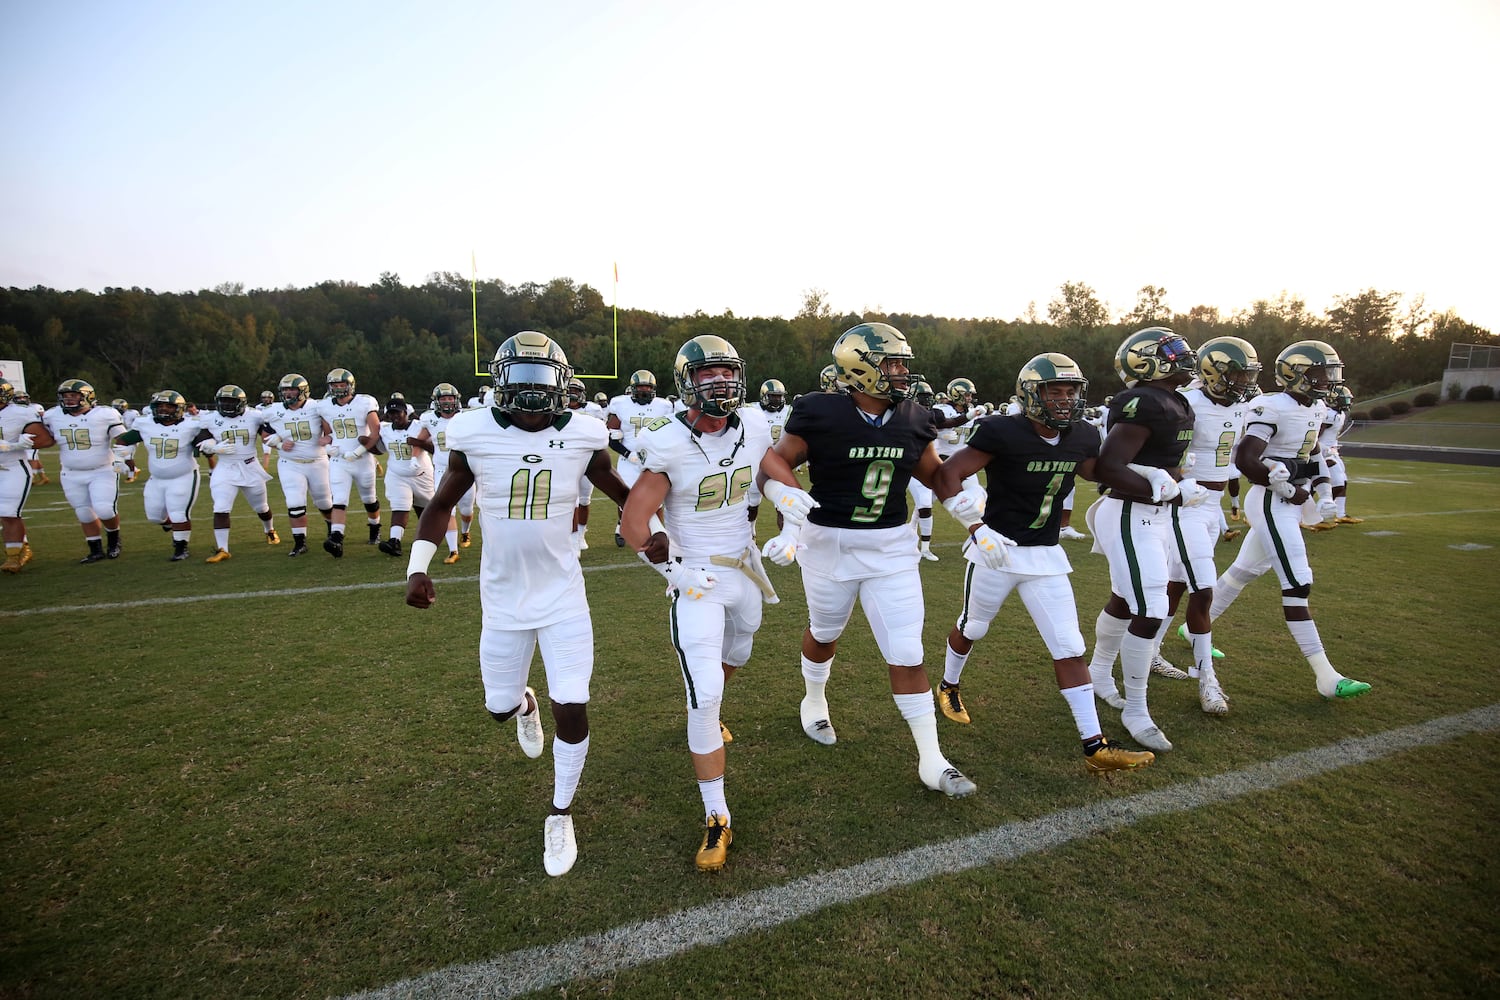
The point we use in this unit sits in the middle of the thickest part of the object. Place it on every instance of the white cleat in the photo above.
(815, 723)
(1071, 533)
(954, 784)
(529, 727)
(1150, 736)
(559, 846)
(929, 555)
(1212, 697)
(1162, 668)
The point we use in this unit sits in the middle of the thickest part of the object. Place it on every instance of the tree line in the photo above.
(130, 342)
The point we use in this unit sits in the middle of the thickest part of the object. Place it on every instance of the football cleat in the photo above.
(1235, 514)
(559, 846)
(951, 703)
(1108, 757)
(724, 733)
(1350, 688)
(92, 557)
(26, 554)
(299, 546)
(953, 784)
(220, 555)
(1212, 697)
(450, 559)
(1071, 533)
(1231, 535)
(619, 541)
(714, 850)
(463, 540)
(272, 538)
(113, 551)
(179, 555)
(12, 562)
(1163, 668)
(929, 555)
(1182, 633)
(334, 547)
(529, 726)
(1346, 519)
(815, 723)
(1150, 735)
(391, 546)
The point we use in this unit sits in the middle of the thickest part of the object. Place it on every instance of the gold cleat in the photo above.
(450, 559)
(1109, 757)
(951, 703)
(220, 555)
(724, 733)
(716, 840)
(272, 538)
(1346, 519)
(25, 553)
(1231, 534)
(464, 541)
(12, 562)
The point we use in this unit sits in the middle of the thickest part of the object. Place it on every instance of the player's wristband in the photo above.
(272, 440)
(616, 444)
(653, 525)
(422, 552)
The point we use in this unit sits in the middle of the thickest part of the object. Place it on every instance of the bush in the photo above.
(1360, 415)
(1381, 412)
(1425, 399)
(1480, 393)
(1455, 392)
(1399, 406)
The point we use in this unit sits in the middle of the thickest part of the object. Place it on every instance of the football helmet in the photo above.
(718, 397)
(7, 393)
(23, 397)
(1309, 368)
(601, 399)
(445, 399)
(861, 355)
(828, 379)
(86, 396)
(1341, 399)
(1228, 367)
(1036, 375)
(531, 375)
(772, 395)
(922, 393)
(961, 391)
(120, 405)
(267, 397)
(1152, 355)
(340, 384)
(294, 389)
(231, 400)
(642, 386)
(577, 394)
(167, 406)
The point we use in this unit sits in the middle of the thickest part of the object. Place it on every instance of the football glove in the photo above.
(782, 550)
(792, 503)
(966, 510)
(993, 547)
(1163, 486)
(1190, 494)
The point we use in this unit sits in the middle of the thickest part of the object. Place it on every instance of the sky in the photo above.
(956, 159)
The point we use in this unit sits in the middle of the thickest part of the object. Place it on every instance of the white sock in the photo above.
(1338, 505)
(567, 768)
(953, 664)
(1161, 633)
(397, 531)
(1080, 701)
(181, 536)
(451, 537)
(1135, 668)
(712, 793)
(921, 717)
(924, 528)
(1203, 654)
(1226, 588)
(1108, 632)
(815, 677)
(221, 538)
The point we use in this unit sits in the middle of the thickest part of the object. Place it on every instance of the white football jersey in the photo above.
(775, 420)
(236, 436)
(946, 443)
(1328, 437)
(169, 447)
(401, 458)
(303, 427)
(1289, 428)
(1217, 428)
(710, 475)
(526, 487)
(633, 416)
(83, 439)
(437, 429)
(14, 418)
(346, 420)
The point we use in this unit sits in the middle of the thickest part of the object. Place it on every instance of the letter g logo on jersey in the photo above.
(531, 459)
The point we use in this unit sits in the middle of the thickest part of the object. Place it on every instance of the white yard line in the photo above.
(548, 966)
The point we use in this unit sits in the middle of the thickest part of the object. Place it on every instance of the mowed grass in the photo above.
(285, 783)
(1450, 425)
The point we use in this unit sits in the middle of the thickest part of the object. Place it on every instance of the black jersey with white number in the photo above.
(859, 471)
(1027, 477)
(1168, 417)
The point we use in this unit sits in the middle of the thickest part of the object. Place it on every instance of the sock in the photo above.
(268, 524)
(1080, 701)
(953, 664)
(181, 536)
(1226, 588)
(1339, 505)
(1203, 654)
(299, 536)
(921, 717)
(451, 537)
(712, 793)
(924, 529)
(221, 538)
(815, 677)
(397, 531)
(567, 768)
(13, 548)
(1135, 667)
(1161, 633)
(337, 534)
(1108, 632)
(95, 545)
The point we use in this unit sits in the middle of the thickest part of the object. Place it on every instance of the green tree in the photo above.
(1150, 307)
(1077, 307)
(1366, 315)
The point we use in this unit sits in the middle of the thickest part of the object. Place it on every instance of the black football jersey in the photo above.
(1027, 477)
(1167, 415)
(859, 471)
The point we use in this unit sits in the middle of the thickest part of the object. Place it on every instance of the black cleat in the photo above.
(299, 549)
(92, 557)
(114, 551)
(391, 546)
(334, 547)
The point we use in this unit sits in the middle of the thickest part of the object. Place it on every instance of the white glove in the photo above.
(782, 550)
(791, 503)
(634, 458)
(1163, 487)
(1191, 494)
(617, 434)
(993, 547)
(208, 447)
(1276, 472)
(691, 582)
(964, 508)
(950, 436)
(353, 456)
(23, 443)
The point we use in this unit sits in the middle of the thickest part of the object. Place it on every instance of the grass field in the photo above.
(1450, 425)
(270, 778)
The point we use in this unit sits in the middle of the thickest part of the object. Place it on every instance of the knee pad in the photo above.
(973, 630)
(906, 652)
(339, 506)
(1297, 594)
(372, 506)
(85, 514)
(704, 735)
(105, 513)
(296, 512)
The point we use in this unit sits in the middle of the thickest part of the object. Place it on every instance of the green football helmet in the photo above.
(294, 389)
(1036, 375)
(1153, 355)
(231, 401)
(961, 391)
(1341, 399)
(1228, 367)
(531, 375)
(772, 395)
(120, 404)
(446, 399)
(642, 386)
(86, 396)
(7, 393)
(860, 356)
(717, 398)
(167, 406)
(340, 384)
(922, 393)
(828, 379)
(1309, 368)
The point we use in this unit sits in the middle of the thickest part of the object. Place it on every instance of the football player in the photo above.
(231, 433)
(300, 437)
(39, 474)
(355, 421)
(20, 431)
(1339, 403)
(1032, 460)
(955, 421)
(125, 453)
(409, 482)
(851, 533)
(1279, 455)
(626, 415)
(446, 404)
(1150, 427)
(828, 379)
(772, 406)
(173, 484)
(523, 457)
(921, 496)
(699, 466)
(84, 432)
(579, 402)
